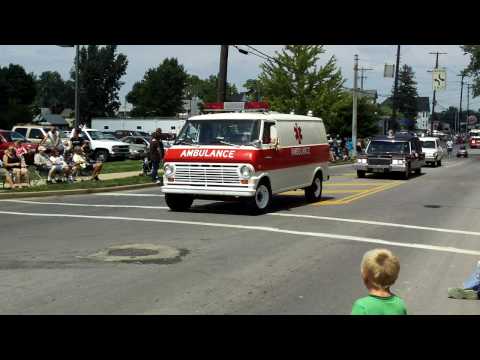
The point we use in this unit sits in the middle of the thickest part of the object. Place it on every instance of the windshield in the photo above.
(109, 136)
(388, 147)
(428, 144)
(98, 135)
(14, 136)
(218, 132)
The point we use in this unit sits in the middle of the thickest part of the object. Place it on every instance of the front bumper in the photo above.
(374, 168)
(431, 158)
(208, 191)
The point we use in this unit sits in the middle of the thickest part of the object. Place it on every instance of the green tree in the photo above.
(100, 71)
(54, 93)
(473, 68)
(368, 115)
(407, 93)
(17, 93)
(161, 92)
(254, 89)
(206, 89)
(295, 81)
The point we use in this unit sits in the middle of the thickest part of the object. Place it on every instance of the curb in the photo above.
(27, 194)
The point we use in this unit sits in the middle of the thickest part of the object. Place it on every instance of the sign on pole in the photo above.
(439, 79)
(389, 71)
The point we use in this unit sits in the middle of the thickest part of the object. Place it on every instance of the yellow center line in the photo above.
(341, 191)
(362, 194)
(355, 184)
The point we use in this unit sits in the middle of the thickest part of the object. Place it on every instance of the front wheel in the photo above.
(101, 155)
(418, 171)
(262, 199)
(178, 202)
(406, 174)
(439, 162)
(361, 173)
(313, 193)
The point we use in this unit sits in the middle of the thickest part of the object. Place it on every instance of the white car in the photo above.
(434, 151)
(103, 146)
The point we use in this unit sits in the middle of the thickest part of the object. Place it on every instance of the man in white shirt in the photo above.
(53, 137)
(449, 147)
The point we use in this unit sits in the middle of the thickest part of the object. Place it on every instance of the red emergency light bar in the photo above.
(236, 106)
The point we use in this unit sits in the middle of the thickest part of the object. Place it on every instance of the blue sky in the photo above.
(202, 60)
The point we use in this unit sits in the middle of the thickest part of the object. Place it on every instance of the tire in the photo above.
(418, 171)
(440, 163)
(262, 200)
(101, 155)
(313, 193)
(178, 202)
(406, 174)
(361, 173)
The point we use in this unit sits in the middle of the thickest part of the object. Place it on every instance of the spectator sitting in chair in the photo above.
(59, 166)
(80, 162)
(43, 163)
(15, 165)
(8, 177)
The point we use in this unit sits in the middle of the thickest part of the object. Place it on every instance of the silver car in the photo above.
(138, 146)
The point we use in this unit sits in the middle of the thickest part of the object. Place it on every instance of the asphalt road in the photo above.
(299, 259)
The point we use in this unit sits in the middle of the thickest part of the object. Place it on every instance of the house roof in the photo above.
(52, 119)
(238, 97)
(423, 104)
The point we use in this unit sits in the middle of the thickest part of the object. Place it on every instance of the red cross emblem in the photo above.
(298, 133)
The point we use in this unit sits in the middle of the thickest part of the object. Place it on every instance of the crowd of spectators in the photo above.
(60, 162)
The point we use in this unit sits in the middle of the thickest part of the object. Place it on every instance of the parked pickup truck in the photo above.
(104, 147)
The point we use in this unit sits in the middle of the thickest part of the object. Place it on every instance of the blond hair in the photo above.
(380, 267)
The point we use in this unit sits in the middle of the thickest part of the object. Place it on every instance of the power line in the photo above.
(246, 52)
(266, 55)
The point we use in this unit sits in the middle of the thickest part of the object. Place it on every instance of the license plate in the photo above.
(377, 170)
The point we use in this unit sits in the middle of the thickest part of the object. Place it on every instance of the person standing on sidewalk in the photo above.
(156, 154)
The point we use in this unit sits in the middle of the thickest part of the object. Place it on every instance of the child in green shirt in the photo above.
(379, 269)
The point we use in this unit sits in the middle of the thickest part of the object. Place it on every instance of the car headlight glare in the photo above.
(169, 170)
(246, 172)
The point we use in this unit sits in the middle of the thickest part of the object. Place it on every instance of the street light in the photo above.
(77, 93)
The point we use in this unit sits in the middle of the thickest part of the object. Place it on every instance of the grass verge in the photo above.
(87, 184)
(122, 166)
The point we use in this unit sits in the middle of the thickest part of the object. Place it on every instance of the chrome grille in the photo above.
(205, 174)
(379, 161)
(121, 148)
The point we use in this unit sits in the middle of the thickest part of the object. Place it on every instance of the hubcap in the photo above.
(318, 187)
(262, 197)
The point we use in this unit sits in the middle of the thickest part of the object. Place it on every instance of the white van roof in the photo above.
(255, 116)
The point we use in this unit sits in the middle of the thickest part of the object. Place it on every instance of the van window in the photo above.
(106, 127)
(22, 131)
(36, 134)
(267, 133)
(139, 128)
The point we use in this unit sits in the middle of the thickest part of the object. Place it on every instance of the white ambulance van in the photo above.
(246, 155)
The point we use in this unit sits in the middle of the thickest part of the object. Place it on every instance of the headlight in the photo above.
(169, 170)
(361, 161)
(246, 172)
(398, 162)
(435, 154)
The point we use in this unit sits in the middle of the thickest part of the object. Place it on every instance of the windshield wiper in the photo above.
(186, 141)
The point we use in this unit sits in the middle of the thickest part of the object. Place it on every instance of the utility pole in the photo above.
(354, 111)
(459, 128)
(434, 91)
(222, 74)
(468, 106)
(395, 91)
(362, 70)
(77, 92)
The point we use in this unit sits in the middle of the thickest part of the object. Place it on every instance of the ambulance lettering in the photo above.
(205, 153)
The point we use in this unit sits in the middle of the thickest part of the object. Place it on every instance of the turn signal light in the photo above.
(243, 181)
